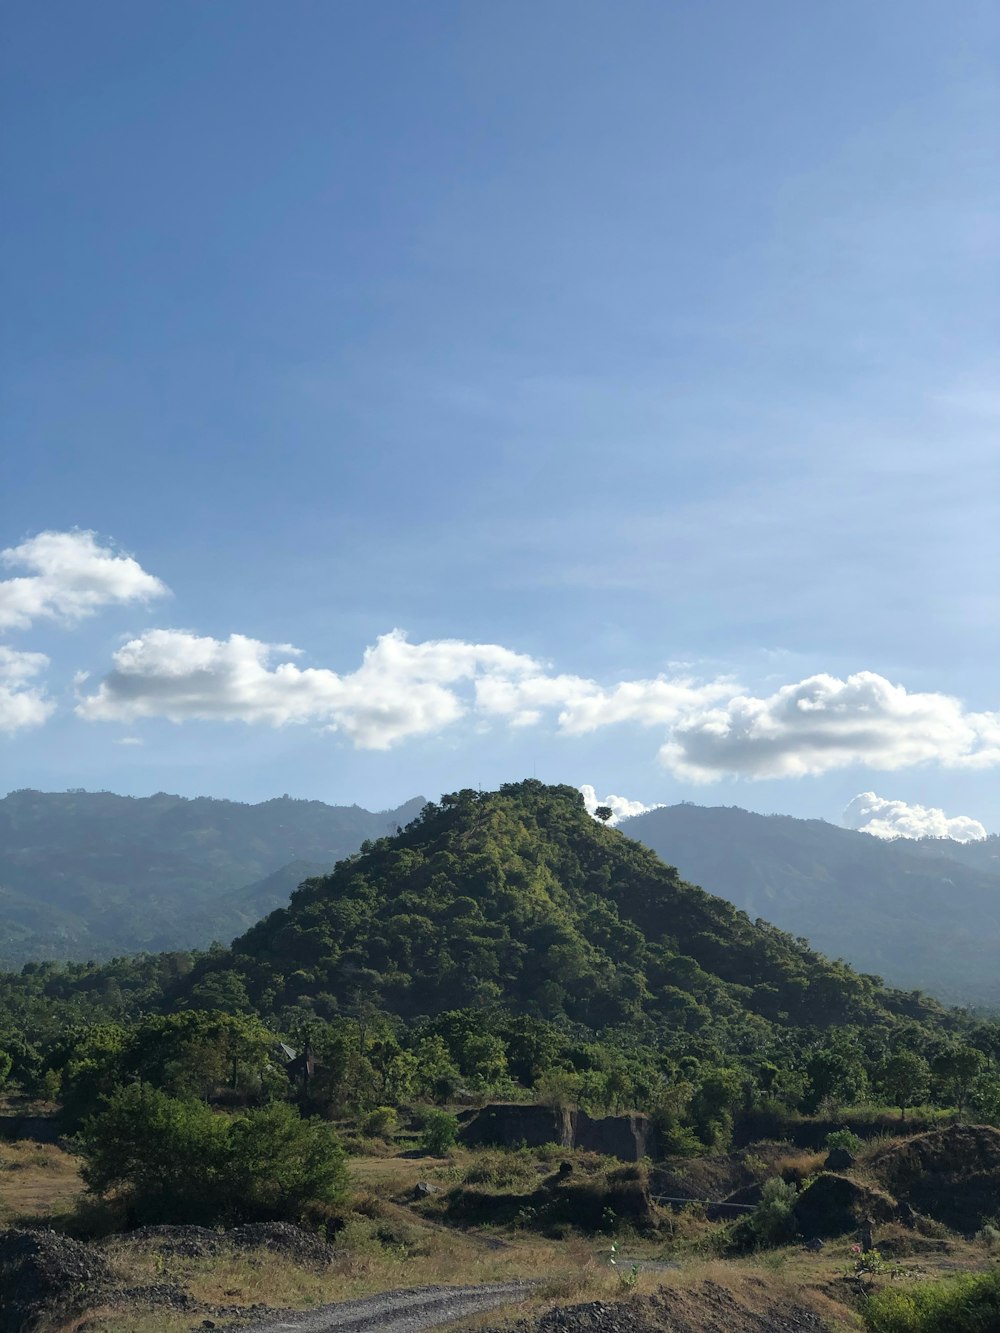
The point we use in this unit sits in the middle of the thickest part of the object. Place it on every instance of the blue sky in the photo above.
(651, 345)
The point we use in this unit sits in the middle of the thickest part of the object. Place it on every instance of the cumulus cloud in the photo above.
(873, 814)
(399, 691)
(403, 690)
(70, 576)
(824, 723)
(22, 703)
(621, 807)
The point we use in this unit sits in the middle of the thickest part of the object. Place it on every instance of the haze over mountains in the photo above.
(92, 875)
(924, 914)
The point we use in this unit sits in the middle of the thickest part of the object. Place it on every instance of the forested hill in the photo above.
(520, 898)
(919, 913)
(92, 875)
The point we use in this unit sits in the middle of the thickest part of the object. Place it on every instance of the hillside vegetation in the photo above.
(921, 913)
(519, 897)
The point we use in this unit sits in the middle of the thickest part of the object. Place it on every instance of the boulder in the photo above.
(838, 1159)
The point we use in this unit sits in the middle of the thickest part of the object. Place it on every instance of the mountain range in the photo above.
(89, 875)
(920, 913)
(92, 875)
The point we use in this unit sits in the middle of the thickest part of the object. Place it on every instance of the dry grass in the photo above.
(37, 1180)
(396, 1249)
(798, 1165)
(106, 1320)
(398, 1175)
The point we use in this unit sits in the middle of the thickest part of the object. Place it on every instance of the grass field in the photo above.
(37, 1180)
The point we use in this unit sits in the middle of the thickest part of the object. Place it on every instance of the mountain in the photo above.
(520, 898)
(91, 875)
(923, 914)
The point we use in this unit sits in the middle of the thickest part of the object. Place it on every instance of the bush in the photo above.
(966, 1304)
(380, 1123)
(772, 1221)
(174, 1160)
(844, 1138)
(440, 1132)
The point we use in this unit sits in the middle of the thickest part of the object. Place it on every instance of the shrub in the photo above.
(772, 1221)
(174, 1160)
(969, 1303)
(844, 1138)
(380, 1123)
(440, 1132)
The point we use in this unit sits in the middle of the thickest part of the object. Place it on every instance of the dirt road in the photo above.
(408, 1311)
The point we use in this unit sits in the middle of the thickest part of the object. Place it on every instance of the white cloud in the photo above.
(21, 703)
(873, 814)
(621, 807)
(129, 740)
(823, 723)
(71, 575)
(403, 690)
(399, 691)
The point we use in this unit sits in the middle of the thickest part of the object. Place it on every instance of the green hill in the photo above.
(919, 913)
(519, 897)
(92, 875)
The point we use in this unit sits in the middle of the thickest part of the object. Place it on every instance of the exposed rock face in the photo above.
(507, 1125)
(43, 1276)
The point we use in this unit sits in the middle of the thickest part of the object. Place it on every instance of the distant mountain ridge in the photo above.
(91, 874)
(923, 914)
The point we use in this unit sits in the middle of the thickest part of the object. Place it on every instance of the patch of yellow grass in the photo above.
(375, 1255)
(37, 1180)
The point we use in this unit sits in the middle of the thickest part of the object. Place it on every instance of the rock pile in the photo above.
(43, 1274)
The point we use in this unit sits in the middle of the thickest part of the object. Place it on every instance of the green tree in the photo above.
(904, 1079)
(440, 1132)
(955, 1067)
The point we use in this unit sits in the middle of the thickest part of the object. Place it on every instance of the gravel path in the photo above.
(408, 1311)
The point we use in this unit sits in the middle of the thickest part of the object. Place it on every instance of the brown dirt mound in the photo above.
(43, 1275)
(835, 1205)
(952, 1175)
(296, 1245)
(720, 1176)
(593, 1204)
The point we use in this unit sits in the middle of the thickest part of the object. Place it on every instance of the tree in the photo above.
(604, 813)
(905, 1080)
(439, 1133)
(955, 1067)
(175, 1160)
